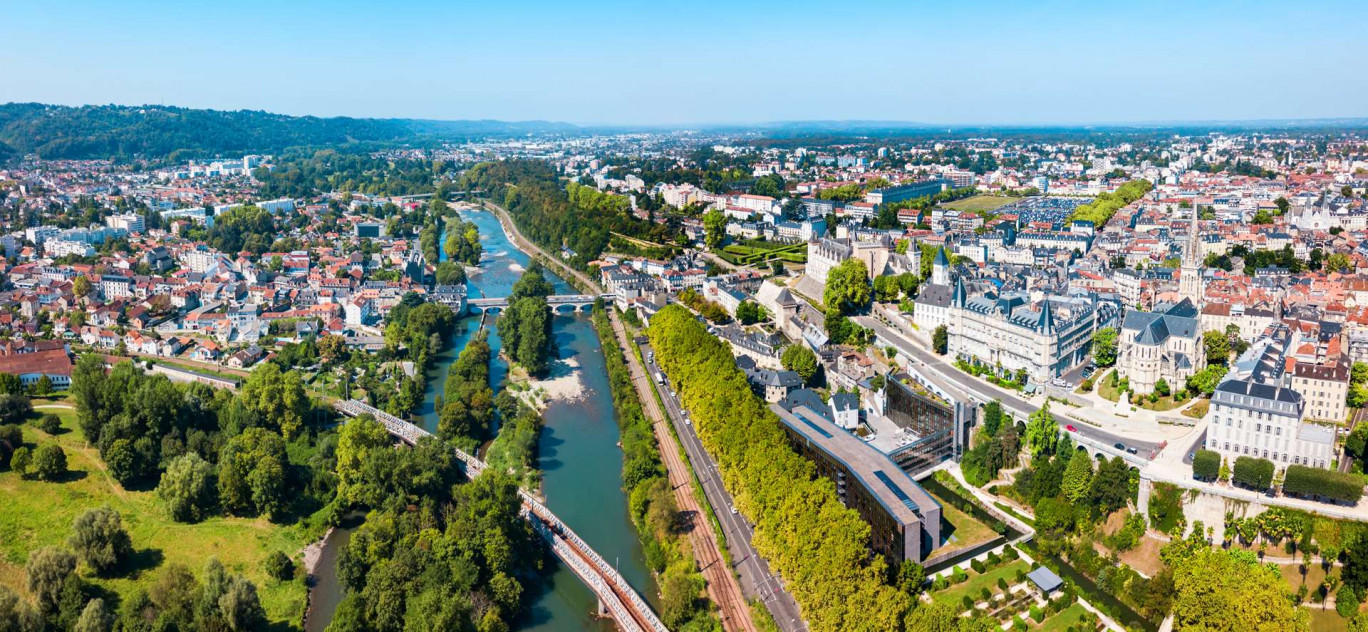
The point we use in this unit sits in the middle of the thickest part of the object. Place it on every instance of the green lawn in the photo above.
(1164, 403)
(954, 595)
(1073, 615)
(1327, 620)
(35, 514)
(1106, 388)
(965, 528)
(979, 203)
(1197, 410)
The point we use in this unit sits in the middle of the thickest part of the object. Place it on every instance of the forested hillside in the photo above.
(163, 132)
(581, 218)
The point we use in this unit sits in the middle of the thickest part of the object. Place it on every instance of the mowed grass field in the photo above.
(979, 203)
(34, 514)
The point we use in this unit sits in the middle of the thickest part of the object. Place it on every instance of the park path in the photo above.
(722, 586)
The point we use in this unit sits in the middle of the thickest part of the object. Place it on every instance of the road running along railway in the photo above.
(616, 597)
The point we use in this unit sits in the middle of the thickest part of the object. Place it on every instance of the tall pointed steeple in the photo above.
(1190, 279)
(960, 297)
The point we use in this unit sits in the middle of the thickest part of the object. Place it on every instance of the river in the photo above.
(580, 459)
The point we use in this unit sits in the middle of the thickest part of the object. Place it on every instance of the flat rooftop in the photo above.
(895, 490)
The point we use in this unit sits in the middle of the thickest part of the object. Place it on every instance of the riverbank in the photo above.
(514, 235)
(670, 551)
(705, 543)
(562, 383)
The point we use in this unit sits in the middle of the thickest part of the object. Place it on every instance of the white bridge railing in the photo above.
(565, 543)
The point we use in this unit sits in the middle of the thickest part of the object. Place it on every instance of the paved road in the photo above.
(757, 581)
(722, 585)
(984, 392)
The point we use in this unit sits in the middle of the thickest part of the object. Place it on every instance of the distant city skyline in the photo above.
(702, 63)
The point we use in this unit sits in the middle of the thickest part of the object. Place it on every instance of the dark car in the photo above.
(1120, 446)
(1132, 450)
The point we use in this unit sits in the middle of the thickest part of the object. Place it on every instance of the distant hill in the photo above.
(161, 132)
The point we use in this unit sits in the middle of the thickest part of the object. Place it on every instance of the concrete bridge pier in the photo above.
(1143, 497)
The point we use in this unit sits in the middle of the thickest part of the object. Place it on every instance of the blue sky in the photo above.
(609, 62)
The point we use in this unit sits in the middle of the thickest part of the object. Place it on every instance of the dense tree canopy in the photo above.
(249, 228)
(848, 288)
(835, 581)
(1230, 591)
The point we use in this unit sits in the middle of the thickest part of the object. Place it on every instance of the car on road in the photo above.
(1132, 450)
(1071, 428)
(733, 509)
(1119, 446)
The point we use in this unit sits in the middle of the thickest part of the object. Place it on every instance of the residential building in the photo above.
(1255, 413)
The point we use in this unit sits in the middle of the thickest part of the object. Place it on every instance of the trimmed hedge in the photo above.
(1253, 473)
(1310, 481)
(1206, 465)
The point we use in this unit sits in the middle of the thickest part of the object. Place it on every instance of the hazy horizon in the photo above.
(616, 64)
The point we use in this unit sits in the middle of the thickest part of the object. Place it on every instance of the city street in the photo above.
(936, 368)
(757, 581)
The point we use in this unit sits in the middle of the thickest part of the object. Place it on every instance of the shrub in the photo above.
(49, 462)
(1310, 481)
(279, 566)
(959, 576)
(1037, 613)
(976, 565)
(1253, 473)
(50, 423)
(21, 460)
(1002, 584)
(1011, 553)
(985, 594)
(1206, 465)
(968, 602)
(1020, 576)
(100, 540)
(1347, 601)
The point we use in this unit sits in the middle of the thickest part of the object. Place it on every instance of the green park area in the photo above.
(979, 203)
(751, 252)
(37, 513)
(973, 588)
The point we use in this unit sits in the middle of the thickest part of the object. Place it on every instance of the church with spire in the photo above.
(1190, 274)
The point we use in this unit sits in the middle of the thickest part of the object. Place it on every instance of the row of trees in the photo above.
(837, 584)
(547, 214)
(997, 445)
(1101, 209)
(463, 242)
(651, 498)
(420, 330)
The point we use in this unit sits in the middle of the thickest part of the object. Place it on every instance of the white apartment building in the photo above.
(131, 222)
(64, 247)
(823, 255)
(757, 203)
(1255, 414)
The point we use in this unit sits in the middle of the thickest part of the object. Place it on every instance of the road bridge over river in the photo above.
(577, 302)
(615, 596)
